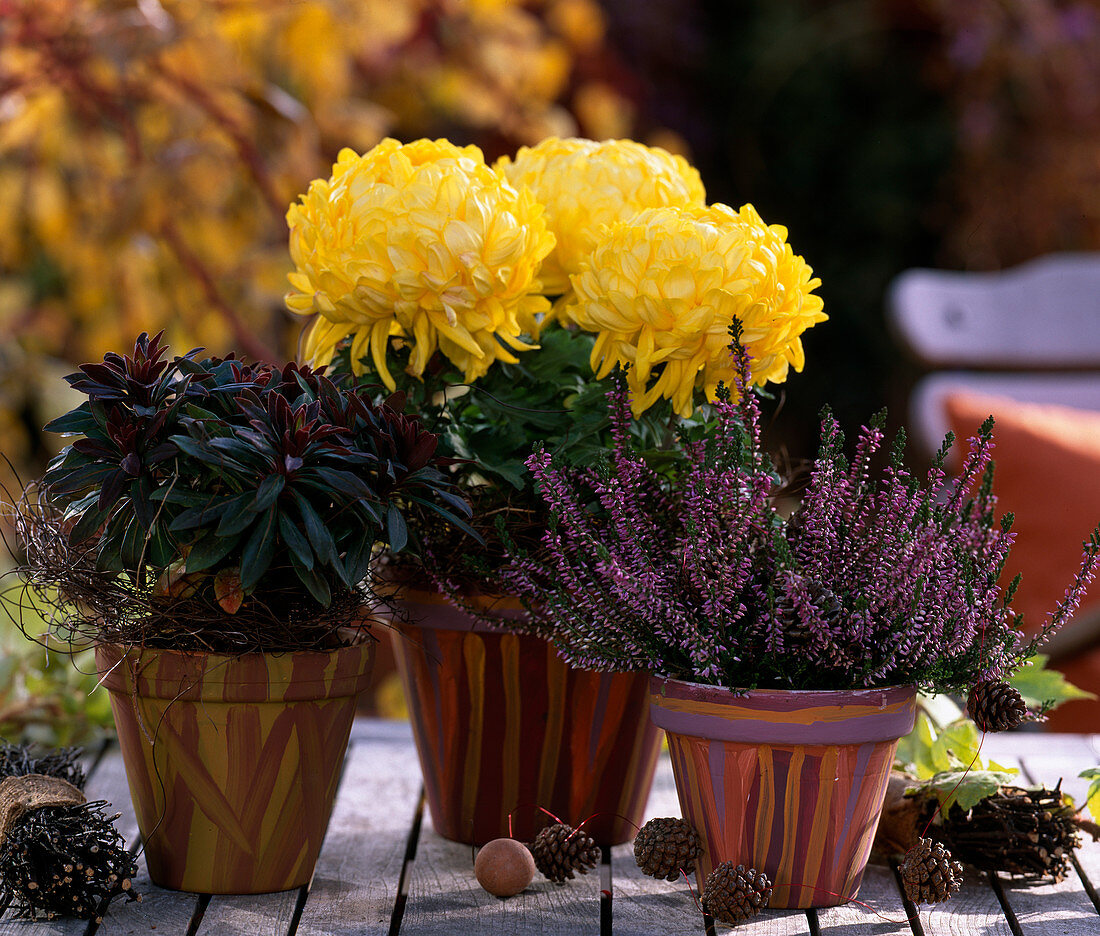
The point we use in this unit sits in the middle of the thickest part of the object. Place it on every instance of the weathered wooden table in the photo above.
(384, 871)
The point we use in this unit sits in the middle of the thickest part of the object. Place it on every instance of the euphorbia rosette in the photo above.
(662, 290)
(586, 184)
(421, 241)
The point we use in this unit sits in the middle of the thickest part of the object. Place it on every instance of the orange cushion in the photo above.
(1048, 474)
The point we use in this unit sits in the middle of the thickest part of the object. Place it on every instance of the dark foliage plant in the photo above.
(689, 571)
(246, 483)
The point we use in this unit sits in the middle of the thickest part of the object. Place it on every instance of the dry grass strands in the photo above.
(89, 605)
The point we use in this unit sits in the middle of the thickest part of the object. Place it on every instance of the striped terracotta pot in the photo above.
(502, 725)
(233, 762)
(790, 783)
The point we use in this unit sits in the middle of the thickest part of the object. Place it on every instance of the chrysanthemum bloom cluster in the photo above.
(662, 290)
(691, 573)
(423, 242)
(586, 184)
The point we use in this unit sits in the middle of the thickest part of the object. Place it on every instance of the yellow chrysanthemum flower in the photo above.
(585, 185)
(661, 291)
(422, 241)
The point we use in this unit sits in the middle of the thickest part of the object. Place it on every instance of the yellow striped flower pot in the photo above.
(233, 762)
(788, 782)
(502, 725)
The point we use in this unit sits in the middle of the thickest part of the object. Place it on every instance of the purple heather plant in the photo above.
(687, 570)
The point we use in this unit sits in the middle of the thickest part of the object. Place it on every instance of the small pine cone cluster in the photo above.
(929, 873)
(560, 850)
(995, 706)
(665, 847)
(734, 893)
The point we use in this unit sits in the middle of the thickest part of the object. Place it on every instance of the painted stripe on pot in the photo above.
(519, 729)
(757, 720)
(473, 651)
(555, 719)
(513, 721)
(231, 796)
(805, 814)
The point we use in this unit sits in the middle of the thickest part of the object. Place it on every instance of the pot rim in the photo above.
(179, 675)
(781, 716)
(749, 693)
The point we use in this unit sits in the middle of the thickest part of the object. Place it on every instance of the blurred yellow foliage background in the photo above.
(149, 149)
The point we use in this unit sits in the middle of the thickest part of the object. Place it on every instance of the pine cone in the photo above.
(665, 847)
(733, 894)
(560, 850)
(929, 873)
(995, 706)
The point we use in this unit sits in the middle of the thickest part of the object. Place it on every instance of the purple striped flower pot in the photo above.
(503, 725)
(788, 782)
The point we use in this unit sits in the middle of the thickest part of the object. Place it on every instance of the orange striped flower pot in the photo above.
(788, 782)
(233, 762)
(502, 725)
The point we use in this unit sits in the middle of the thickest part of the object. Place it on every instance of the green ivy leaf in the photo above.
(1093, 795)
(925, 752)
(1039, 685)
(967, 788)
(915, 749)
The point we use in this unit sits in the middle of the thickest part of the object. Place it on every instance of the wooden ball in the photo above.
(504, 867)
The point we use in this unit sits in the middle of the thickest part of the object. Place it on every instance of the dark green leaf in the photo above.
(358, 559)
(396, 531)
(77, 422)
(163, 548)
(210, 550)
(206, 514)
(238, 515)
(319, 537)
(259, 550)
(295, 540)
(133, 544)
(89, 523)
(268, 492)
(314, 582)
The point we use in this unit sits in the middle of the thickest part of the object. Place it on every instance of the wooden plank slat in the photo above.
(445, 898)
(250, 915)
(974, 909)
(1063, 907)
(169, 911)
(355, 882)
(638, 900)
(877, 911)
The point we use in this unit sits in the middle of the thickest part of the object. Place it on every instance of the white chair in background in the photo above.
(1030, 333)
